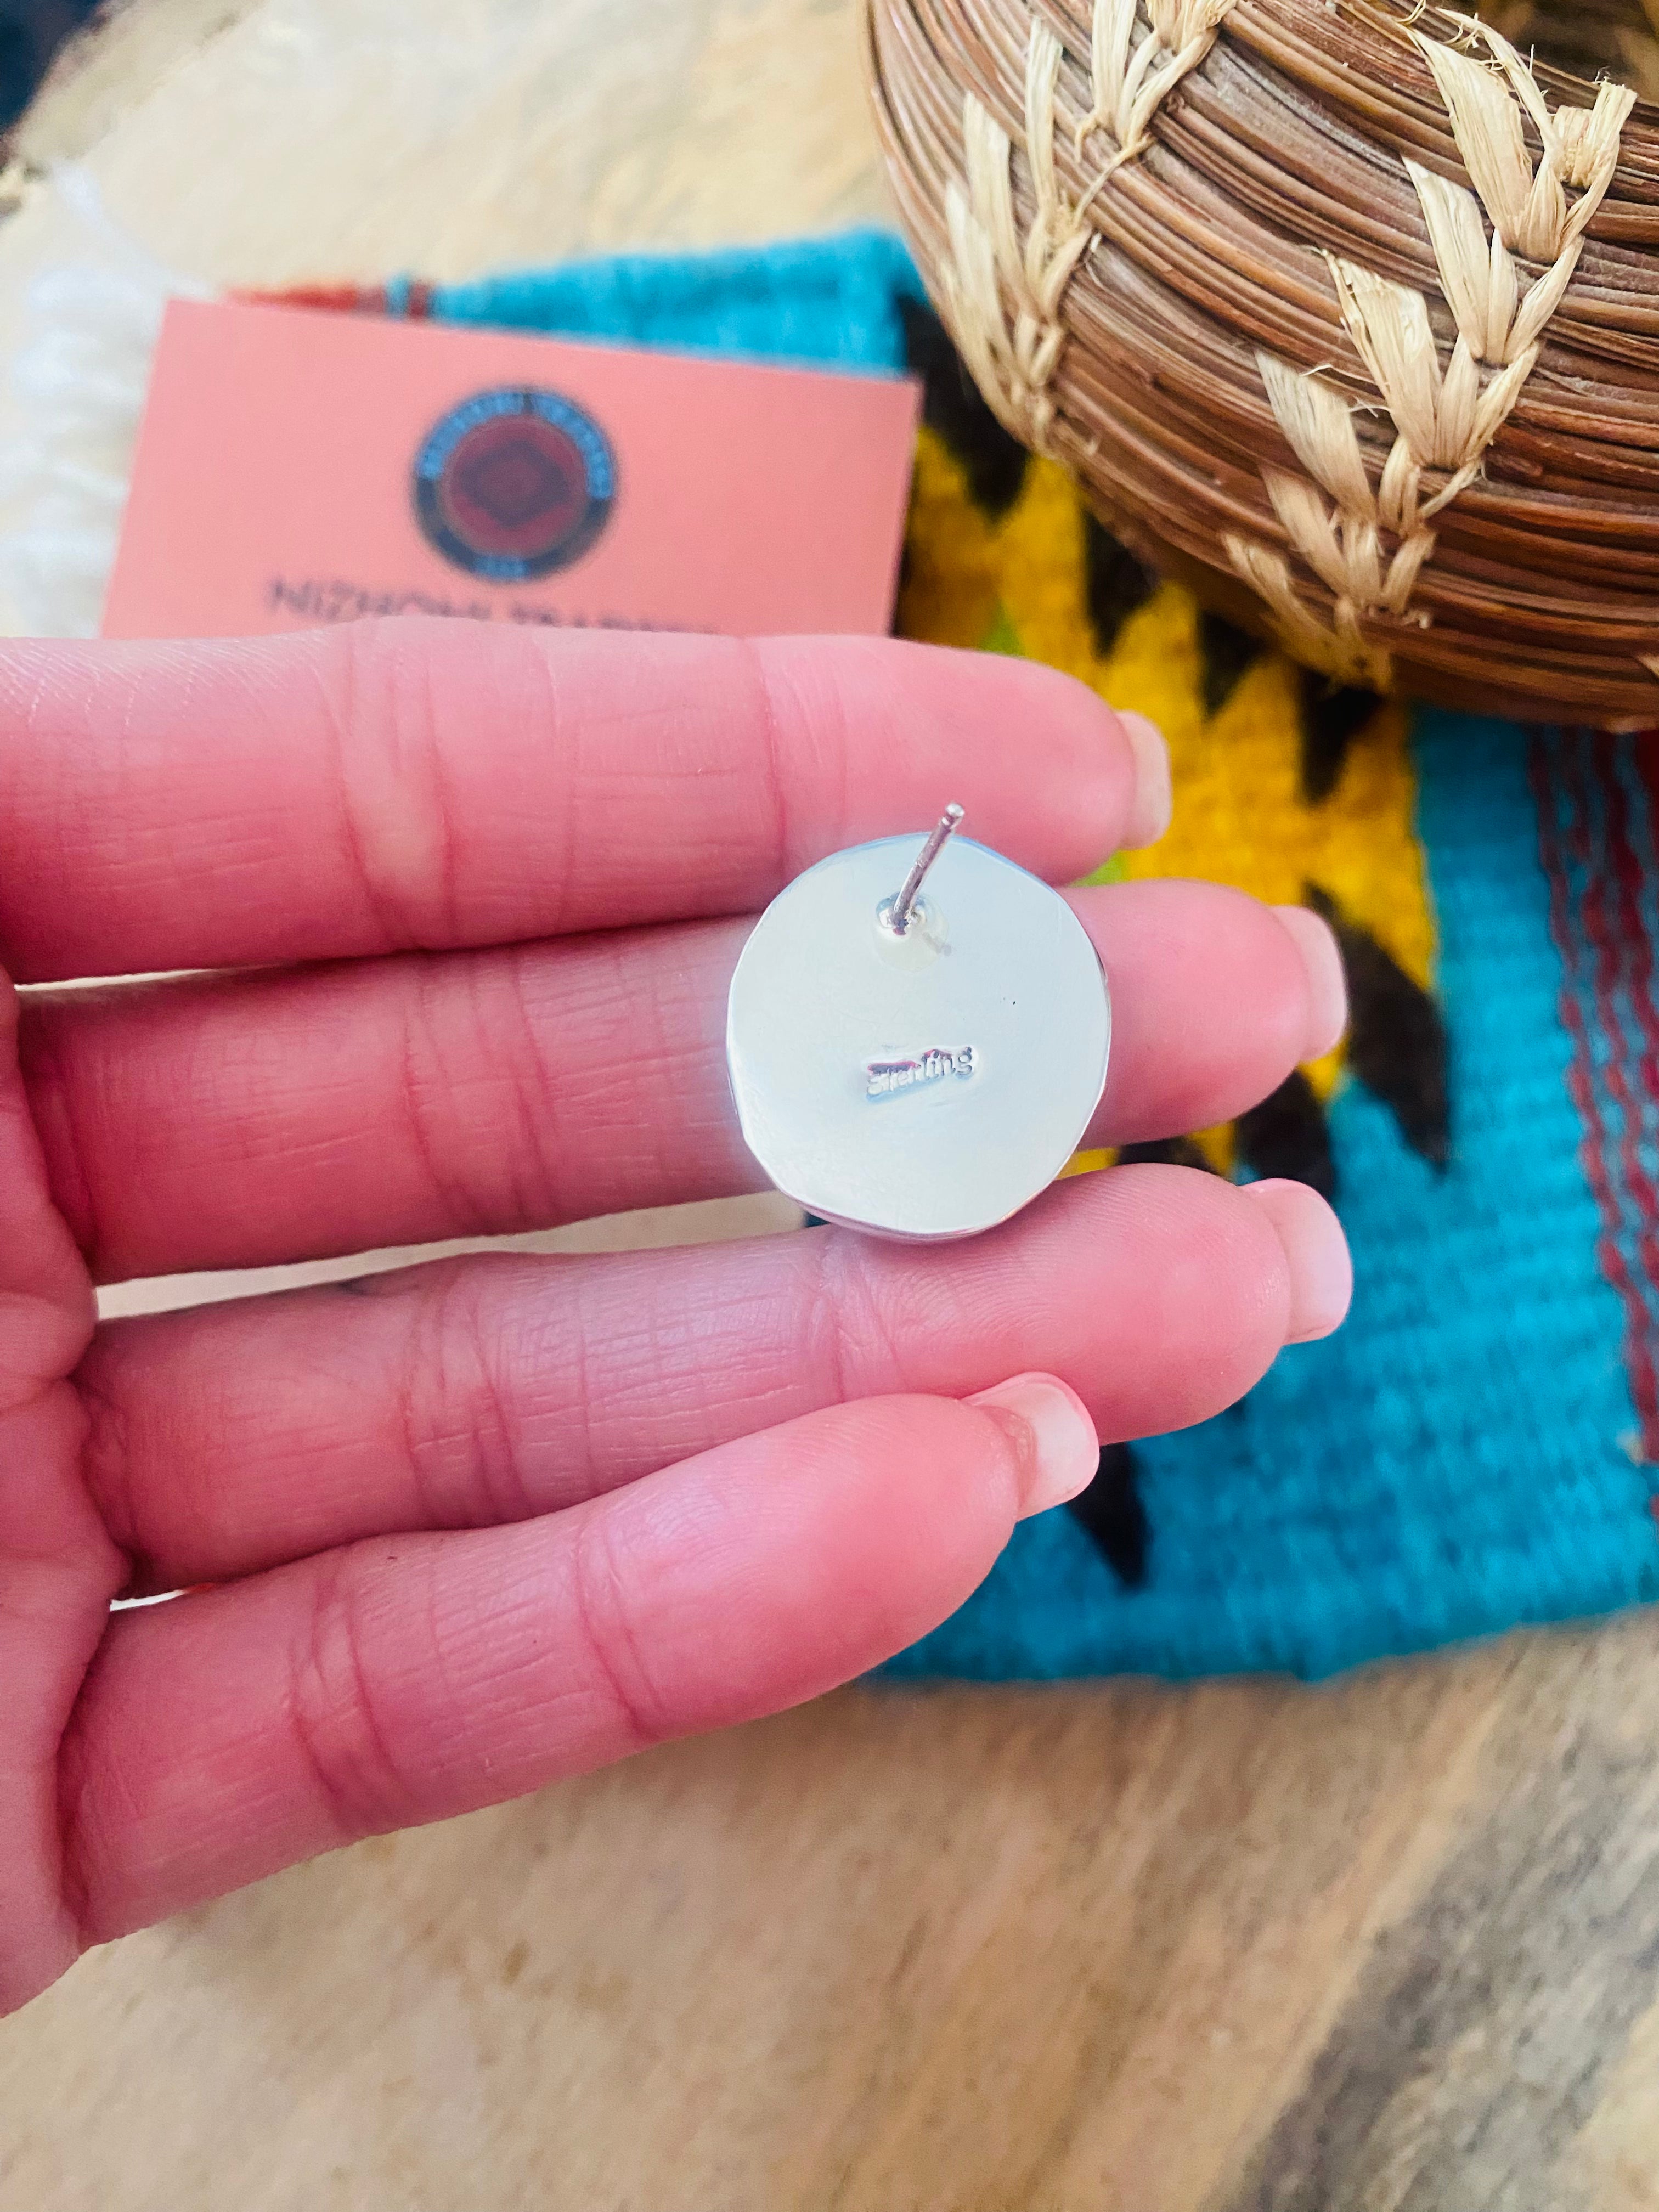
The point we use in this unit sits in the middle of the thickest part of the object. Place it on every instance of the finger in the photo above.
(227, 1734)
(438, 783)
(58, 1568)
(226, 1122)
(1319, 1265)
(230, 1437)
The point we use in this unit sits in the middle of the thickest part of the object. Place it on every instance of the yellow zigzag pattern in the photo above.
(1018, 584)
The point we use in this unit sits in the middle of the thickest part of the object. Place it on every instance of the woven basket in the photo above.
(1345, 311)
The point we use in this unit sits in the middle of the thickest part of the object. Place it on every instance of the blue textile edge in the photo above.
(819, 302)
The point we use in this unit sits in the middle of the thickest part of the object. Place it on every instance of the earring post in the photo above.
(900, 914)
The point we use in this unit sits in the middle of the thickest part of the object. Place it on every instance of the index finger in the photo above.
(423, 783)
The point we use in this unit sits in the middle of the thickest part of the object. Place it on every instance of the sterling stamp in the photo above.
(887, 1076)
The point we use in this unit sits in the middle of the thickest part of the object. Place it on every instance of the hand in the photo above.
(488, 1522)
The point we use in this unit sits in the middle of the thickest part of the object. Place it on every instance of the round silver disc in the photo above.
(925, 1085)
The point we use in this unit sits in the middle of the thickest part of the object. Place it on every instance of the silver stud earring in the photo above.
(918, 1061)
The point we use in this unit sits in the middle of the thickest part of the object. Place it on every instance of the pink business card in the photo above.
(298, 466)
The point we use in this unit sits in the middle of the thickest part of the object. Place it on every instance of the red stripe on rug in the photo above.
(1594, 1151)
(1609, 940)
(350, 299)
(1625, 967)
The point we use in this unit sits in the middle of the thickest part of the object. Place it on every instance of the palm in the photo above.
(453, 900)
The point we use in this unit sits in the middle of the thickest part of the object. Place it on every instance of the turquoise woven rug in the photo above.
(1474, 1450)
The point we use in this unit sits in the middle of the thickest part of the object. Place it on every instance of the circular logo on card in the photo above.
(514, 484)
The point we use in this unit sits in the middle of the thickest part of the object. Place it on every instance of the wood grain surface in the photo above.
(1388, 1946)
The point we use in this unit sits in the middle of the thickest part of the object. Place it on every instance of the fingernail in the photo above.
(1052, 1434)
(1327, 982)
(1154, 804)
(1317, 1252)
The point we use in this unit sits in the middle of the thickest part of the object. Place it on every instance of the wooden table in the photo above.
(1389, 1947)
